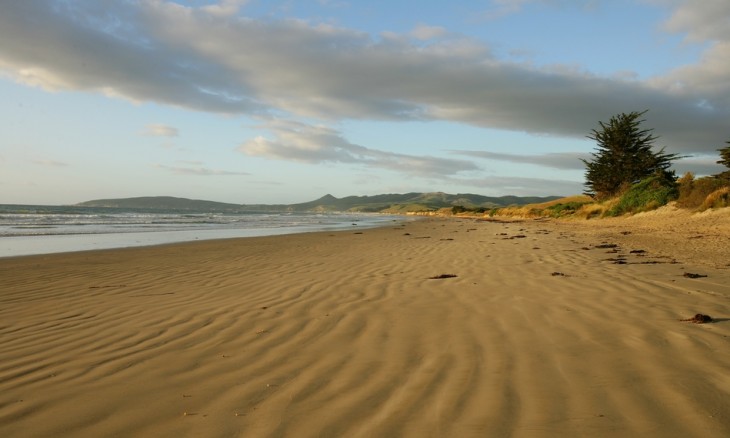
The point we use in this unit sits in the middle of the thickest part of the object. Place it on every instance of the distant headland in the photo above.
(385, 203)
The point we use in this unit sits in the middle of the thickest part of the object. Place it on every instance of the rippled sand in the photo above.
(540, 333)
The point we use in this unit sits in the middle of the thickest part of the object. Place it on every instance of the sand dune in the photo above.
(540, 333)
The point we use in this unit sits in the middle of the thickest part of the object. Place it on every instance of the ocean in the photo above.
(42, 229)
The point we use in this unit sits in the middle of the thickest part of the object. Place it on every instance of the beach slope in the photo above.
(432, 328)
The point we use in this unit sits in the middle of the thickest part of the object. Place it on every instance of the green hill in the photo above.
(162, 203)
(401, 203)
(391, 203)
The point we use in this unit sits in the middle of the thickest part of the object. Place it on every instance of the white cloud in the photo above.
(199, 171)
(701, 20)
(159, 130)
(700, 165)
(706, 22)
(215, 60)
(424, 32)
(50, 163)
(501, 8)
(556, 160)
(296, 141)
(522, 186)
(224, 8)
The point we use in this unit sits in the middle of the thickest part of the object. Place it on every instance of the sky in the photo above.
(253, 101)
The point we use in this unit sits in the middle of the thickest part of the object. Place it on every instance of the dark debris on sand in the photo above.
(698, 319)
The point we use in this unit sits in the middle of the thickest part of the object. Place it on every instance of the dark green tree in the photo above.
(725, 155)
(624, 157)
(725, 161)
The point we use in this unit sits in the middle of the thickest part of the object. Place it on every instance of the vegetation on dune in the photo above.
(626, 176)
(565, 209)
(718, 199)
(648, 194)
(624, 156)
(707, 192)
(457, 209)
(555, 208)
(693, 191)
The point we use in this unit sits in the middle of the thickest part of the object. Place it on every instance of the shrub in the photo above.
(589, 211)
(648, 194)
(718, 199)
(534, 212)
(567, 208)
(693, 192)
(459, 209)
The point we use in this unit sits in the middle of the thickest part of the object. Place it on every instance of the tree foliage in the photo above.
(725, 161)
(624, 156)
(725, 155)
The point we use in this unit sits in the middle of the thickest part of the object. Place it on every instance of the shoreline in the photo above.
(366, 333)
(22, 245)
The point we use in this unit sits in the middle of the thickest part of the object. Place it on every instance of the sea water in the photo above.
(40, 229)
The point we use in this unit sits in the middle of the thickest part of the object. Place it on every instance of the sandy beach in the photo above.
(531, 328)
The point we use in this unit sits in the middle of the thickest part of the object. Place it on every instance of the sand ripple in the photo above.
(343, 334)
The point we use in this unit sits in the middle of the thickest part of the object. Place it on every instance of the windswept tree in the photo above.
(624, 156)
(725, 161)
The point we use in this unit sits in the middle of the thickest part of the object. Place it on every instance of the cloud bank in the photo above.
(523, 186)
(555, 160)
(296, 141)
(198, 170)
(215, 60)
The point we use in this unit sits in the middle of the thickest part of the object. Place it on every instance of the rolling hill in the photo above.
(389, 203)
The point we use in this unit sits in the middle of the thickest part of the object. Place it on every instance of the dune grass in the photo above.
(646, 195)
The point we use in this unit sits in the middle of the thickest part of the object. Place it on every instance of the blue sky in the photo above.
(285, 101)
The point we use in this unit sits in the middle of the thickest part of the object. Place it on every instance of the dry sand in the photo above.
(345, 335)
